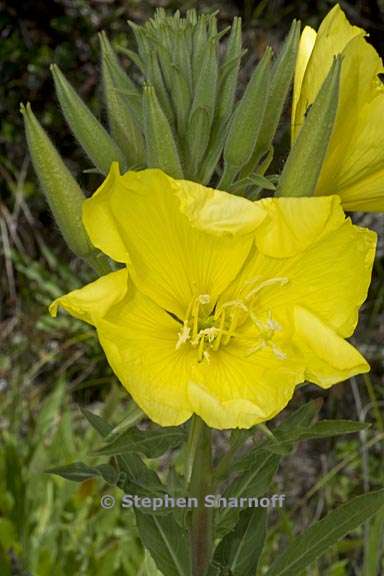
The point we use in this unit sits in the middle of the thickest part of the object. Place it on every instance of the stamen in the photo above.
(183, 336)
(282, 281)
(207, 329)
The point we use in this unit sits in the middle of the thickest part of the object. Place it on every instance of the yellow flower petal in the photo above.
(218, 212)
(295, 223)
(306, 44)
(236, 389)
(330, 277)
(170, 261)
(329, 358)
(94, 300)
(354, 165)
(139, 340)
(100, 222)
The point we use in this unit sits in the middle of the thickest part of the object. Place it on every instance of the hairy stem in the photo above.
(199, 465)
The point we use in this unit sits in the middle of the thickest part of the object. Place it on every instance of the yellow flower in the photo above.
(223, 304)
(354, 165)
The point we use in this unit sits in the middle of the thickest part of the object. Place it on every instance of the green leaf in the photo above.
(253, 482)
(167, 542)
(310, 148)
(374, 545)
(92, 136)
(97, 422)
(329, 428)
(136, 478)
(78, 472)
(132, 416)
(322, 535)
(151, 443)
(240, 550)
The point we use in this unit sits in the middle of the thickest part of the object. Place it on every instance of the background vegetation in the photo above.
(49, 367)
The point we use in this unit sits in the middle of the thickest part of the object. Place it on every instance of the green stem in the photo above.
(199, 477)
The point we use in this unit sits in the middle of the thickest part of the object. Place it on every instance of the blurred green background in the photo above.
(49, 367)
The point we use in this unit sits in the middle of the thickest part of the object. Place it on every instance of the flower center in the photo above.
(208, 328)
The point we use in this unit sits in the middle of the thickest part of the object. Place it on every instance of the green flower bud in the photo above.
(303, 165)
(247, 121)
(61, 190)
(92, 136)
(161, 148)
(282, 72)
(123, 124)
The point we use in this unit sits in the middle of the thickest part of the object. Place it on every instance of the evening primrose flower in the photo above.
(354, 165)
(222, 305)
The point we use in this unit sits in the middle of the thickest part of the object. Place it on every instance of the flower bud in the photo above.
(303, 165)
(92, 136)
(63, 194)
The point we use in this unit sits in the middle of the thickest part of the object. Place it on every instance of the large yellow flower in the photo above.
(223, 305)
(354, 165)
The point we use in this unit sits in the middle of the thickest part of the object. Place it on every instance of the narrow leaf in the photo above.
(253, 482)
(167, 542)
(77, 472)
(239, 551)
(151, 443)
(322, 535)
(97, 422)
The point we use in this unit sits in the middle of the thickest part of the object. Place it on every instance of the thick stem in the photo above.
(199, 486)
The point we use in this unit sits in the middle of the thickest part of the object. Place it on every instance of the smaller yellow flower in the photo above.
(223, 305)
(354, 165)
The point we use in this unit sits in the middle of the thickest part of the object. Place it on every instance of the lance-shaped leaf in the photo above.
(302, 168)
(246, 121)
(167, 542)
(252, 482)
(239, 551)
(78, 472)
(61, 190)
(92, 136)
(161, 148)
(97, 422)
(281, 78)
(317, 539)
(123, 124)
(203, 108)
(151, 443)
